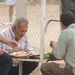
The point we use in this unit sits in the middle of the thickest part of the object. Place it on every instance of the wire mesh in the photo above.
(4, 13)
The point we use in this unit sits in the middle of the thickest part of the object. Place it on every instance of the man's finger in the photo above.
(15, 43)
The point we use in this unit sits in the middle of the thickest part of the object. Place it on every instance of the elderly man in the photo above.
(5, 59)
(65, 48)
(18, 32)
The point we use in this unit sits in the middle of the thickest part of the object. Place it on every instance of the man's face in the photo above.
(20, 31)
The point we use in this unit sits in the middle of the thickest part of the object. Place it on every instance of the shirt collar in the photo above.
(71, 25)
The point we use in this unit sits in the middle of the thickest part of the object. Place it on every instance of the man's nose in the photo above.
(23, 33)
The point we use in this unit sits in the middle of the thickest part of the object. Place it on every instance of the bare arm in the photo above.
(2, 39)
(8, 42)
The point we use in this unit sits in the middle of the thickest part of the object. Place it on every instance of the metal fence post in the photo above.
(43, 3)
(60, 6)
(21, 10)
(60, 10)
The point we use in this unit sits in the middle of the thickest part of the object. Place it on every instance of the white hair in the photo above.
(17, 22)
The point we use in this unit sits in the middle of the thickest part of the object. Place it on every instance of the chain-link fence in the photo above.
(4, 14)
(33, 15)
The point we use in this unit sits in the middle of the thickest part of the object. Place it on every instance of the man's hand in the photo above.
(12, 43)
(1, 51)
(31, 54)
(53, 44)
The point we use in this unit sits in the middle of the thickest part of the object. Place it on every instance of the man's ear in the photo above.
(14, 28)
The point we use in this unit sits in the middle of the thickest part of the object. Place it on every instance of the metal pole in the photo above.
(60, 6)
(60, 11)
(42, 32)
(42, 22)
(24, 9)
(21, 10)
(20, 68)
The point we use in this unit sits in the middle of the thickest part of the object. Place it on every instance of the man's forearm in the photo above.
(8, 42)
(2, 39)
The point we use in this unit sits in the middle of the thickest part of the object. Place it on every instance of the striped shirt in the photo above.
(23, 43)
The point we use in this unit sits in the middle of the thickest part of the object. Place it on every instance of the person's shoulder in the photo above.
(68, 30)
(64, 31)
(5, 30)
